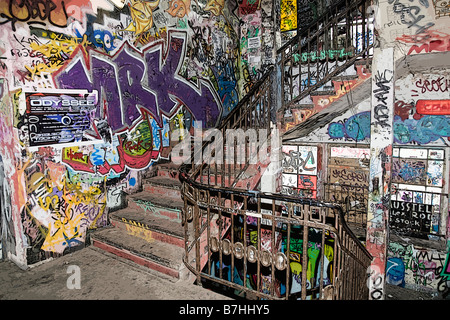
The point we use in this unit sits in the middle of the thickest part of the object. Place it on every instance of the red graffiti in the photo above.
(403, 109)
(433, 107)
(427, 41)
(435, 85)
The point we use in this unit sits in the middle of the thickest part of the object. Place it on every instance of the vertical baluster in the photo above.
(364, 34)
(186, 226)
(244, 240)
(232, 238)
(208, 231)
(197, 236)
(306, 213)
(290, 208)
(348, 28)
(308, 64)
(322, 260)
(231, 165)
(258, 263)
(356, 28)
(283, 75)
(337, 257)
(221, 219)
(291, 71)
(300, 82)
(272, 249)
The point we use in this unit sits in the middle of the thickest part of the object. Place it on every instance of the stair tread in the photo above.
(158, 200)
(168, 165)
(323, 93)
(345, 77)
(160, 252)
(163, 181)
(150, 222)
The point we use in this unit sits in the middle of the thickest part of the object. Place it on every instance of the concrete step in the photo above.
(169, 170)
(156, 255)
(163, 186)
(148, 227)
(157, 205)
(323, 93)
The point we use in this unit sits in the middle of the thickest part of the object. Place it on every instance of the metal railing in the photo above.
(253, 116)
(353, 198)
(325, 49)
(268, 246)
(273, 246)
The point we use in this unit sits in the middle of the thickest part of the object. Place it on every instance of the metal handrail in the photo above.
(252, 111)
(201, 203)
(315, 55)
(265, 245)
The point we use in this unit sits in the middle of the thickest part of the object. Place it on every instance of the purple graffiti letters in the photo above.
(169, 85)
(123, 88)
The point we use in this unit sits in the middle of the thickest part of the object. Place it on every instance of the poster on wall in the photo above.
(59, 116)
(411, 217)
(299, 176)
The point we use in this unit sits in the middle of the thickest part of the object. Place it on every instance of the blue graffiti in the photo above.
(99, 38)
(226, 81)
(356, 128)
(395, 272)
(425, 130)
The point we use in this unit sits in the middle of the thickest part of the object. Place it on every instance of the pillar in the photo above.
(382, 116)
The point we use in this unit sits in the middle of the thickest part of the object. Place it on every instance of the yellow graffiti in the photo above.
(296, 268)
(61, 230)
(65, 212)
(142, 15)
(288, 15)
(215, 7)
(140, 233)
(55, 53)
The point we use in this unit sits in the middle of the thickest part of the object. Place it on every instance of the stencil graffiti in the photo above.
(410, 217)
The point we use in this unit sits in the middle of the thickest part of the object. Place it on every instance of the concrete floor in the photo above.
(103, 276)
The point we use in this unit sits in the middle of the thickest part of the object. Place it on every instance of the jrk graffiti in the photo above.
(131, 81)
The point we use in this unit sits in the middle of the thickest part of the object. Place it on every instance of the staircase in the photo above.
(212, 222)
(270, 245)
(148, 231)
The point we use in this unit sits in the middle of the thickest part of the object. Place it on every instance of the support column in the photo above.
(381, 140)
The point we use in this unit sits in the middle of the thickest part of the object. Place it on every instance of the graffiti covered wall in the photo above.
(95, 91)
(418, 268)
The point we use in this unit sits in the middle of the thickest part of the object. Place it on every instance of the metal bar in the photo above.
(232, 240)
(208, 232)
(288, 249)
(197, 245)
(258, 264)
(322, 267)
(244, 240)
(305, 251)
(221, 219)
(272, 279)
